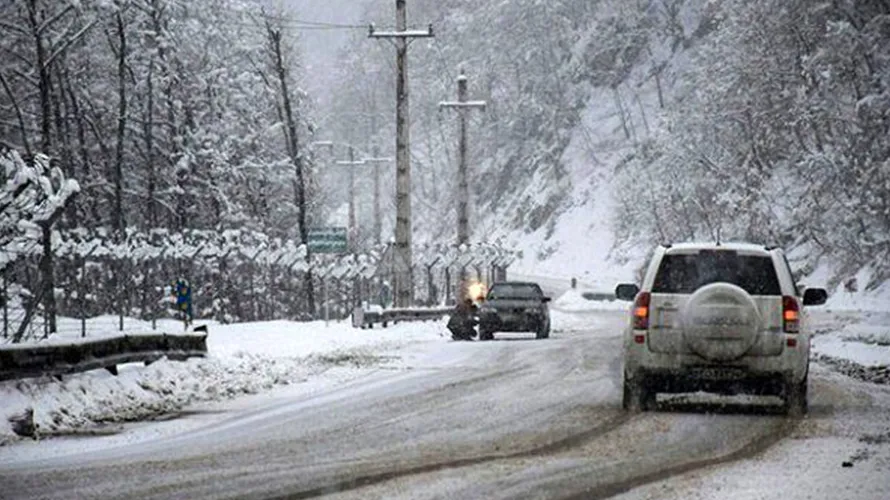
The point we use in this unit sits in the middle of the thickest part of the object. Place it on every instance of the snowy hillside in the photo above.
(612, 127)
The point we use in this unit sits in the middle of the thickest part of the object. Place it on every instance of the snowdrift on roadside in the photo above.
(244, 359)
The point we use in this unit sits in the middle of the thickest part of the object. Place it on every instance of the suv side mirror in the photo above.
(814, 296)
(626, 291)
(545, 299)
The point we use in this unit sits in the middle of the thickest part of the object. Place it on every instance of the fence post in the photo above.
(5, 305)
(120, 294)
(46, 320)
(153, 299)
(81, 295)
(432, 294)
(448, 292)
(355, 294)
(219, 289)
(327, 305)
(156, 306)
(274, 289)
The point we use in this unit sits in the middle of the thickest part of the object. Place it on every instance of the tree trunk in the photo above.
(43, 83)
(118, 205)
(63, 130)
(148, 135)
(46, 271)
(293, 150)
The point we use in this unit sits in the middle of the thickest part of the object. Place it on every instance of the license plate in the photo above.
(719, 373)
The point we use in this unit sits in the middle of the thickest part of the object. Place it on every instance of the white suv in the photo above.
(725, 318)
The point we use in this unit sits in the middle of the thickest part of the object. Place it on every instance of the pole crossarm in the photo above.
(427, 33)
(333, 146)
(465, 104)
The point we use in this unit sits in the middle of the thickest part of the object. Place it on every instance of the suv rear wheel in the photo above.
(637, 395)
(796, 404)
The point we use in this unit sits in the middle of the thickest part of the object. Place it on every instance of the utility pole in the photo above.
(463, 194)
(378, 215)
(404, 282)
(375, 153)
(351, 164)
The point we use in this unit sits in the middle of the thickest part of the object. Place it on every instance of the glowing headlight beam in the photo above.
(477, 291)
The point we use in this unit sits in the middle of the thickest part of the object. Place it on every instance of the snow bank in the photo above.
(859, 348)
(244, 359)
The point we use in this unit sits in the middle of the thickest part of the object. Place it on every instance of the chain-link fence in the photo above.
(103, 285)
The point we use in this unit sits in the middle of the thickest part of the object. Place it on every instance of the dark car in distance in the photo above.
(513, 306)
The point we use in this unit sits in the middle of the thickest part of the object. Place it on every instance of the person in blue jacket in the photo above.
(182, 290)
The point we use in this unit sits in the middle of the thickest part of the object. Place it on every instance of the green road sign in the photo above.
(328, 240)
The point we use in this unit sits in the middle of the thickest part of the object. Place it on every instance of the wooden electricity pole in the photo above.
(403, 259)
(463, 194)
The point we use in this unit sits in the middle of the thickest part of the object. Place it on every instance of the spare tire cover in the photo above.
(720, 322)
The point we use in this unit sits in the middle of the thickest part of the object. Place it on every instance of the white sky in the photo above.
(320, 47)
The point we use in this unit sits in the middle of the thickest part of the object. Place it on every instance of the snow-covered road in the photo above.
(514, 418)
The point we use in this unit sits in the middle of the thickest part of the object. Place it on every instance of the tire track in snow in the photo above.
(614, 418)
(750, 450)
(558, 446)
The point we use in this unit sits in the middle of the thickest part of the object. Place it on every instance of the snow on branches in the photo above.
(33, 195)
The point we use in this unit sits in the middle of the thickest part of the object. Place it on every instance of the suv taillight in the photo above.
(641, 311)
(790, 314)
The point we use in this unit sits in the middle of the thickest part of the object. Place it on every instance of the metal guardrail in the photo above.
(24, 361)
(367, 319)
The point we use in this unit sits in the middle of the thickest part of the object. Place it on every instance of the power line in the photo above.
(297, 27)
(292, 21)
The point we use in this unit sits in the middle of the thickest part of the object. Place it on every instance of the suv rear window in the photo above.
(686, 273)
